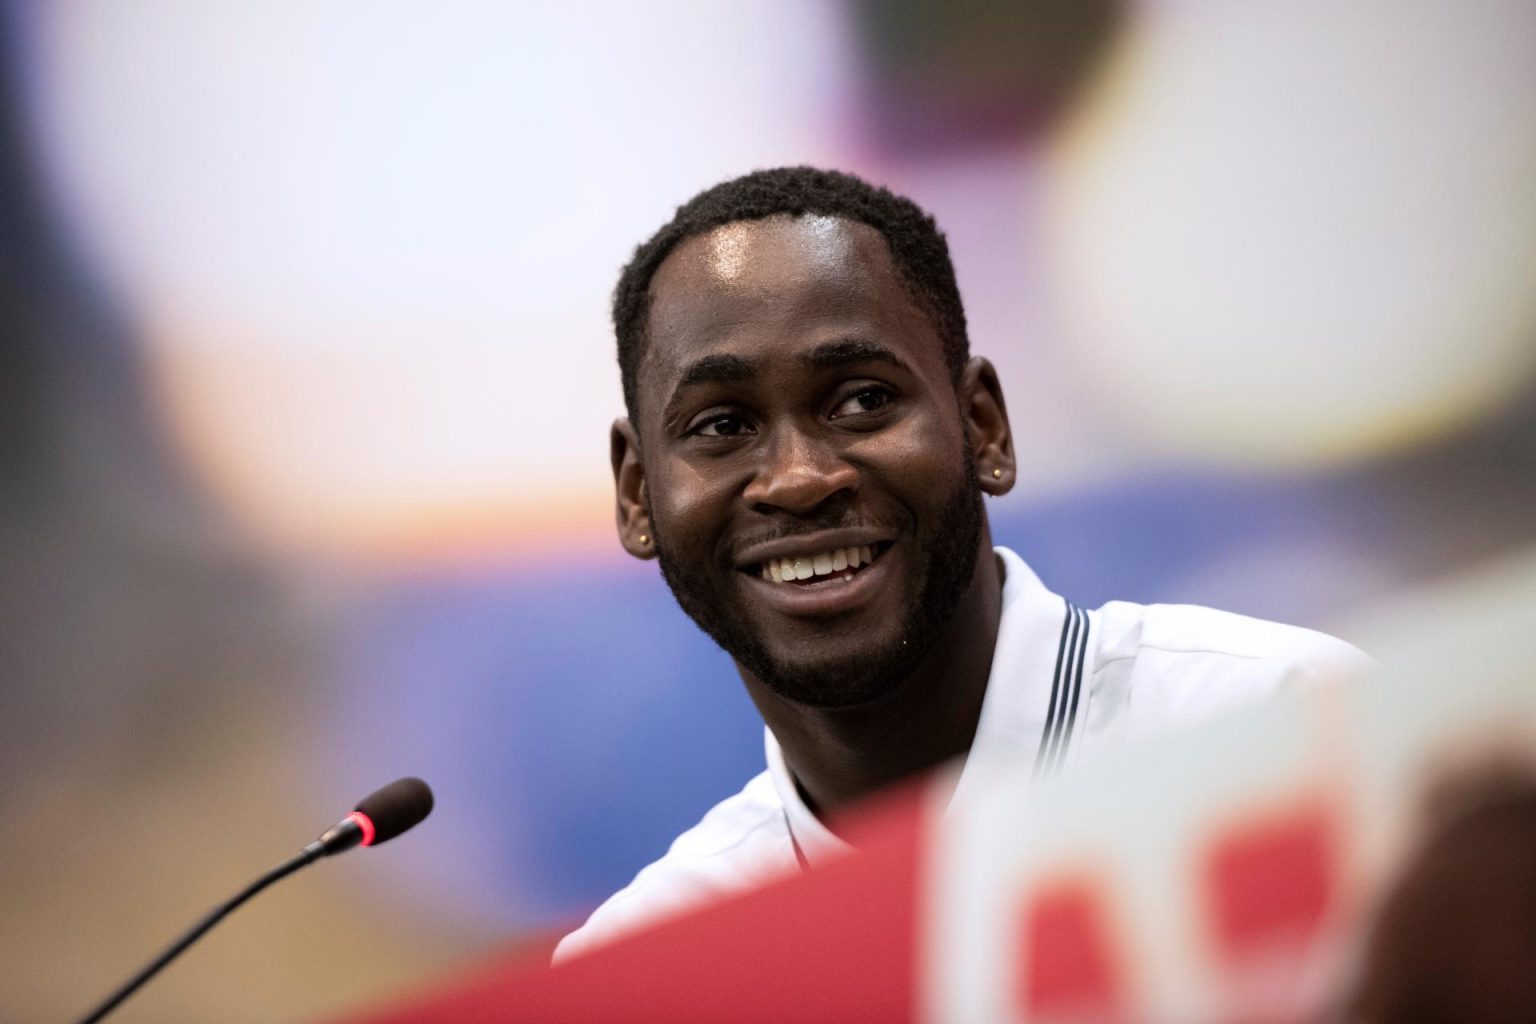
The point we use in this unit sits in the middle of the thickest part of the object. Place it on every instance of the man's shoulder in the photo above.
(741, 841)
(1161, 665)
(1188, 633)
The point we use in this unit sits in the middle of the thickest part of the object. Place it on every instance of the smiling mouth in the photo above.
(841, 563)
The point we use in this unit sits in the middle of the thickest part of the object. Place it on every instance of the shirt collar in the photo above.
(1013, 711)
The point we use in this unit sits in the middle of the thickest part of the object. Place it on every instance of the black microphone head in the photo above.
(398, 806)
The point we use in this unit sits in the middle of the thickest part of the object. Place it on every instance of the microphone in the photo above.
(378, 818)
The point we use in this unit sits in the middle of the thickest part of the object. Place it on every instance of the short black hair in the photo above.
(917, 247)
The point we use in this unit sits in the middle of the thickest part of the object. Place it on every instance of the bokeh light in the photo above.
(1303, 233)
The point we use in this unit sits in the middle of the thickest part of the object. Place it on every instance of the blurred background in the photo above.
(306, 376)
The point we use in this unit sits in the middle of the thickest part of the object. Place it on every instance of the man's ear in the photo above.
(986, 423)
(632, 509)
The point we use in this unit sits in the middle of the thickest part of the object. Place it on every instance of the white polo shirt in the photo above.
(1065, 683)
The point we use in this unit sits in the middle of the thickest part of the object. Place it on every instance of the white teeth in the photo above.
(787, 570)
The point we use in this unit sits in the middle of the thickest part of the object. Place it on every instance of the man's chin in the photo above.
(835, 684)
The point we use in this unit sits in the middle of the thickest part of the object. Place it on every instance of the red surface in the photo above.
(1071, 969)
(835, 944)
(1271, 883)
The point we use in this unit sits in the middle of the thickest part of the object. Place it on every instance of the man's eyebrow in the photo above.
(709, 370)
(850, 350)
(712, 369)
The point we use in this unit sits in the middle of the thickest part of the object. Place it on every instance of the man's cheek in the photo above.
(922, 448)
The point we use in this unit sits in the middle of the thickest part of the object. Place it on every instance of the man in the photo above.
(807, 445)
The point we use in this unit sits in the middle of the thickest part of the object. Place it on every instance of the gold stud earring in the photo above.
(997, 474)
(645, 538)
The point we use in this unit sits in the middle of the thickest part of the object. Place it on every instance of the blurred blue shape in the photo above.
(571, 721)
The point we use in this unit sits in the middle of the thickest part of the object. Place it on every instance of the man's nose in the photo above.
(798, 473)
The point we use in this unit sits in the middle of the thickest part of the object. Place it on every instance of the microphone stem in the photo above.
(308, 855)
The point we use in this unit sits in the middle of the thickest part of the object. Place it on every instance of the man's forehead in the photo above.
(743, 252)
(805, 269)
(727, 251)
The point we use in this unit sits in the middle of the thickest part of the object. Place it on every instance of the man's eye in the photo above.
(724, 425)
(864, 400)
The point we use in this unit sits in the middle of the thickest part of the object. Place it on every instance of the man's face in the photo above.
(806, 465)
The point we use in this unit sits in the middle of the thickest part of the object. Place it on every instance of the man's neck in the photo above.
(840, 756)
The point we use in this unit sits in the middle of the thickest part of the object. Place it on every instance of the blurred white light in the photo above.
(372, 244)
(1304, 231)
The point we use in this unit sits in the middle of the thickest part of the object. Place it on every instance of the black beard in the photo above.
(953, 543)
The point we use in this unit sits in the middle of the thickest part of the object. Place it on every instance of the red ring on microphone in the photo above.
(366, 824)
